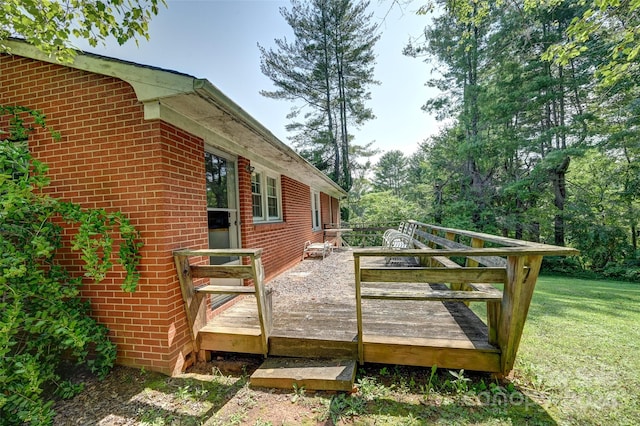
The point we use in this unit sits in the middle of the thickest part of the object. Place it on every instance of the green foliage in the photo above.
(390, 172)
(43, 321)
(344, 406)
(384, 207)
(51, 25)
(534, 149)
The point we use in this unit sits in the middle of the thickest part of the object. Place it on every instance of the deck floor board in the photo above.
(333, 318)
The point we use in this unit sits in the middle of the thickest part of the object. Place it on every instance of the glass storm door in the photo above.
(222, 212)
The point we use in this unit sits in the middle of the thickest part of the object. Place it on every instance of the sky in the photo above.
(217, 40)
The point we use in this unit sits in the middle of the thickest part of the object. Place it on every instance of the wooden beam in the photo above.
(444, 354)
(264, 301)
(518, 291)
(226, 289)
(449, 243)
(358, 271)
(428, 294)
(434, 275)
(219, 252)
(194, 303)
(222, 271)
(509, 242)
(475, 243)
(538, 250)
(241, 341)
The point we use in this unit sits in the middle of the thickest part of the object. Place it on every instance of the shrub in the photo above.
(43, 321)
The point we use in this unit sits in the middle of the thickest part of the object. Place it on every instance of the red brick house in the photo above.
(188, 166)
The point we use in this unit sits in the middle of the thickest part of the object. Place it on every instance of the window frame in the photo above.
(263, 177)
(316, 211)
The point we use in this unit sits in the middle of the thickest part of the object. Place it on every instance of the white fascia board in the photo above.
(147, 82)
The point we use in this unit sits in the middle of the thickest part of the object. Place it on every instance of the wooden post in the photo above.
(475, 243)
(493, 318)
(264, 308)
(518, 290)
(194, 303)
(454, 286)
(356, 263)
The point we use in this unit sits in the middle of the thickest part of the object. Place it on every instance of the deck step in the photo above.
(312, 374)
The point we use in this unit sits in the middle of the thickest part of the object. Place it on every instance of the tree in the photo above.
(390, 173)
(610, 24)
(325, 71)
(51, 25)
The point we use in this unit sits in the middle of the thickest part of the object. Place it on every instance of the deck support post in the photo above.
(264, 306)
(194, 302)
(356, 262)
(453, 285)
(522, 273)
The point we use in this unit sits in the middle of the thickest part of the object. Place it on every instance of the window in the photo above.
(256, 195)
(265, 197)
(272, 198)
(315, 210)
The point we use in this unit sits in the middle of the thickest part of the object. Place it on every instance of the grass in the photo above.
(578, 364)
(580, 351)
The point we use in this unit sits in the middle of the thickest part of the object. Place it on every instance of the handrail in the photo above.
(515, 264)
(195, 297)
(538, 250)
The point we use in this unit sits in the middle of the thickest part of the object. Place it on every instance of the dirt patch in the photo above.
(212, 393)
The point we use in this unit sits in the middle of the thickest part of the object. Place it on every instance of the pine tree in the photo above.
(326, 72)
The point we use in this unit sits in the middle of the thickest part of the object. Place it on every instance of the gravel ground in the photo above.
(134, 397)
(316, 278)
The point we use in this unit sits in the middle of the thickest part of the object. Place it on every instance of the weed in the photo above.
(370, 389)
(236, 418)
(261, 422)
(343, 405)
(384, 372)
(183, 392)
(298, 392)
(460, 383)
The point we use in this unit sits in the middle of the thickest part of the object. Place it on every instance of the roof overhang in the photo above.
(198, 107)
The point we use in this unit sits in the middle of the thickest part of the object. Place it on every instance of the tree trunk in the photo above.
(328, 100)
(558, 177)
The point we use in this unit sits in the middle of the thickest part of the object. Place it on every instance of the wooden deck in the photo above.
(407, 332)
(411, 314)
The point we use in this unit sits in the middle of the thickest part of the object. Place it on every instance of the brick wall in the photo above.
(109, 157)
(283, 242)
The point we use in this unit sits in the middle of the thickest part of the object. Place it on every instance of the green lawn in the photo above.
(581, 350)
(578, 364)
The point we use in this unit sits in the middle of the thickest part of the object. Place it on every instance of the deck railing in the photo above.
(469, 262)
(195, 297)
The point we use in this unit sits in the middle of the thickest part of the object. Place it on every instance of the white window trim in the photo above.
(264, 174)
(316, 208)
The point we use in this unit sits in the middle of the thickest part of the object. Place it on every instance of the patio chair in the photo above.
(316, 249)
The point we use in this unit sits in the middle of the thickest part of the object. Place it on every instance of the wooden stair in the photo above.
(310, 374)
